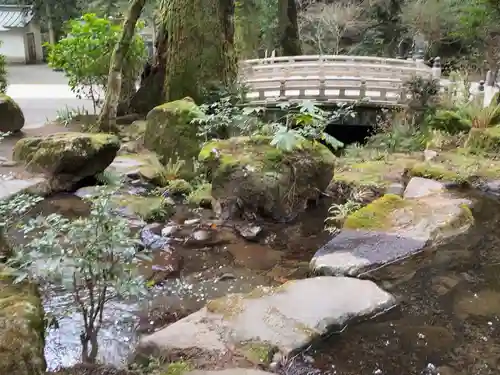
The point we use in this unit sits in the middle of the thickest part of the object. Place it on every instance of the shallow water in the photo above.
(209, 272)
(449, 318)
(448, 321)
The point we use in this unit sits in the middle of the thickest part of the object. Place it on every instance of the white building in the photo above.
(20, 36)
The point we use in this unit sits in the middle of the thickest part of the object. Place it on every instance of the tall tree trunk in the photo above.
(107, 117)
(200, 55)
(289, 30)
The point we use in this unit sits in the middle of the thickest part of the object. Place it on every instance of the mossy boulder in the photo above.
(21, 328)
(11, 115)
(484, 140)
(67, 158)
(250, 177)
(171, 132)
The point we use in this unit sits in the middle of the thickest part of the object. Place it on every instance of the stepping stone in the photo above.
(283, 318)
(392, 228)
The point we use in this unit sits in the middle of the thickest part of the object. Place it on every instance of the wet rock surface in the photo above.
(395, 228)
(268, 318)
(11, 187)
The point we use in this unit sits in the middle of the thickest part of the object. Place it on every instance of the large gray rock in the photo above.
(392, 228)
(11, 116)
(283, 318)
(67, 158)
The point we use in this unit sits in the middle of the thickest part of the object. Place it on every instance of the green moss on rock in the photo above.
(251, 175)
(201, 196)
(68, 157)
(170, 131)
(21, 329)
(147, 208)
(376, 215)
(259, 353)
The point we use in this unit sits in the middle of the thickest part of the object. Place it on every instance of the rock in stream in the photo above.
(283, 318)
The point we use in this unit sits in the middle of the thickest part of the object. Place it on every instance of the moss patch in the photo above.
(459, 166)
(171, 133)
(376, 215)
(201, 196)
(21, 329)
(256, 352)
(147, 208)
(178, 368)
(378, 170)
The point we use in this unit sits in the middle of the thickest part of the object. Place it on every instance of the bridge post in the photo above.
(436, 68)
(362, 89)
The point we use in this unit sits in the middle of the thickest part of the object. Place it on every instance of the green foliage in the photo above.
(11, 210)
(84, 55)
(303, 122)
(3, 73)
(94, 258)
(337, 213)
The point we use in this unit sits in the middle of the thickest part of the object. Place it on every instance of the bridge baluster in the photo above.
(436, 68)
(362, 89)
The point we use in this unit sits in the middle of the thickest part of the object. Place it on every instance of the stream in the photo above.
(448, 321)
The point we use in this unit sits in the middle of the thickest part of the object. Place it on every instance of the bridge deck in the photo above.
(330, 79)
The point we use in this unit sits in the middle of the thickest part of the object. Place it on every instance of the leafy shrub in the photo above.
(85, 54)
(449, 121)
(94, 258)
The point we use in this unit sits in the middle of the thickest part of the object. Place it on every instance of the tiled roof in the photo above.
(14, 16)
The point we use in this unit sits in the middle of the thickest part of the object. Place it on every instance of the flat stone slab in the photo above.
(285, 318)
(9, 188)
(428, 214)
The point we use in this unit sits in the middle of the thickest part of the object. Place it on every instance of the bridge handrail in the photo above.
(340, 79)
(325, 58)
(291, 67)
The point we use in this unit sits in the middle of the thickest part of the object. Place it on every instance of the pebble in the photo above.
(191, 221)
(249, 232)
(169, 230)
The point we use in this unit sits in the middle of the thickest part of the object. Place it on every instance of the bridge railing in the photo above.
(330, 78)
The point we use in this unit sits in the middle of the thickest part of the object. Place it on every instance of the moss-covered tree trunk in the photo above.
(247, 29)
(107, 117)
(200, 52)
(288, 29)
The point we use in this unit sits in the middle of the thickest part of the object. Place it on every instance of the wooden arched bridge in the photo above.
(331, 79)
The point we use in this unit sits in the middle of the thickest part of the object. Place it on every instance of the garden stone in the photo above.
(267, 319)
(252, 178)
(392, 228)
(67, 158)
(11, 115)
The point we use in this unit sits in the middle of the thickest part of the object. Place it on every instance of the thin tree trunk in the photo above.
(50, 25)
(200, 55)
(107, 118)
(288, 28)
